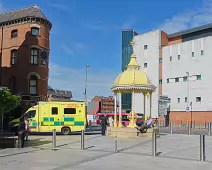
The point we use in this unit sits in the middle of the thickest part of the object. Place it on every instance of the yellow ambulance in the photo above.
(65, 117)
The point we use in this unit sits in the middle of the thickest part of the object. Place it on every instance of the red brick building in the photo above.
(106, 104)
(24, 53)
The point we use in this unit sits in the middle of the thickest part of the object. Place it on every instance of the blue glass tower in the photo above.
(127, 37)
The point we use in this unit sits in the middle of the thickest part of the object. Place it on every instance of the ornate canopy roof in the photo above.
(133, 79)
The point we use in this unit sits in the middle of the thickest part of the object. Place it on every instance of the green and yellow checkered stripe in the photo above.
(65, 121)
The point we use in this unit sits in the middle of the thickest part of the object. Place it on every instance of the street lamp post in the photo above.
(189, 104)
(86, 78)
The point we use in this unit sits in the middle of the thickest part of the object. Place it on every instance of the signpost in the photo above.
(187, 109)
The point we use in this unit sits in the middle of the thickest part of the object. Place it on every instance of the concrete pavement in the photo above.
(178, 152)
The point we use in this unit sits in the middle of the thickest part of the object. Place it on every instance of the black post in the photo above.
(191, 114)
(2, 37)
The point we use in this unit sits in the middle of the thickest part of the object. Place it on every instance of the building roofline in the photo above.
(20, 9)
(180, 33)
(128, 30)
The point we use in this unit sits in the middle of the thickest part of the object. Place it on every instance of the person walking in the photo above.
(104, 124)
(21, 132)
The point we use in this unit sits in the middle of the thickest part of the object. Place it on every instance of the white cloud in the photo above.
(68, 50)
(2, 7)
(189, 18)
(58, 4)
(99, 82)
(129, 23)
(99, 25)
(72, 48)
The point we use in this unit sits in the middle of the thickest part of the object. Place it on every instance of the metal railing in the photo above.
(189, 128)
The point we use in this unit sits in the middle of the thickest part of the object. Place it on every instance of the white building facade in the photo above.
(147, 52)
(180, 66)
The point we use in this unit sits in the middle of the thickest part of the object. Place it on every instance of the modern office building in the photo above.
(179, 65)
(127, 37)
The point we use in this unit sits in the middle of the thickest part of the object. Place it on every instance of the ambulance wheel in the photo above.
(66, 130)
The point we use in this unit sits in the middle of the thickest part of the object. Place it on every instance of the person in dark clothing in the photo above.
(21, 133)
(104, 124)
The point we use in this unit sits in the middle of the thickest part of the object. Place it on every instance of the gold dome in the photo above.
(133, 75)
(130, 77)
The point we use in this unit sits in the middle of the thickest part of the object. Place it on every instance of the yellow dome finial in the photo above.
(133, 62)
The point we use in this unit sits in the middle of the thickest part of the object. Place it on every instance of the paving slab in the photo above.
(178, 152)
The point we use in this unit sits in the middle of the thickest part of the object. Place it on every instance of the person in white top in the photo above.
(147, 124)
(111, 121)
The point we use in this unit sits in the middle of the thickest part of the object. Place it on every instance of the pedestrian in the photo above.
(104, 124)
(26, 128)
(111, 121)
(21, 132)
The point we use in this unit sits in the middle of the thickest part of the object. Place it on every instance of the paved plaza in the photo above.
(176, 152)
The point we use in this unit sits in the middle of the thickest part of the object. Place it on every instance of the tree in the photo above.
(8, 102)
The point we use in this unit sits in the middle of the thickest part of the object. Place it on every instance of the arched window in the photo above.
(14, 57)
(34, 56)
(33, 84)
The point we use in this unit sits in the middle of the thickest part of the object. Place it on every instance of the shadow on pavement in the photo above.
(35, 142)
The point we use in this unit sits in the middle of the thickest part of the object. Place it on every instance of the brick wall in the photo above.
(23, 43)
(185, 117)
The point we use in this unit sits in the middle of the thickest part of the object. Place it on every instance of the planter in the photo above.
(7, 142)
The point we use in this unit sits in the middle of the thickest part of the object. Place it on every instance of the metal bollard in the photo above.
(90, 124)
(116, 144)
(202, 147)
(189, 128)
(171, 128)
(209, 129)
(54, 146)
(82, 140)
(154, 144)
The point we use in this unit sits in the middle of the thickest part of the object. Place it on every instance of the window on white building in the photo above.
(170, 58)
(178, 100)
(186, 99)
(185, 79)
(145, 47)
(160, 60)
(177, 79)
(198, 77)
(145, 65)
(198, 99)
(202, 52)
(192, 54)
(167, 80)
(160, 81)
(178, 57)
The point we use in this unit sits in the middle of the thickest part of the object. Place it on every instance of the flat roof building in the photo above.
(179, 64)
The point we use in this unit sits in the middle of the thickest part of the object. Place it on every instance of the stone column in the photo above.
(115, 110)
(150, 104)
(133, 110)
(144, 93)
(120, 116)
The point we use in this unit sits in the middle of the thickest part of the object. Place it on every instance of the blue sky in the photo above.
(88, 32)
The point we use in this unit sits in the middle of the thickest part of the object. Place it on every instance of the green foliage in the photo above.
(8, 101)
